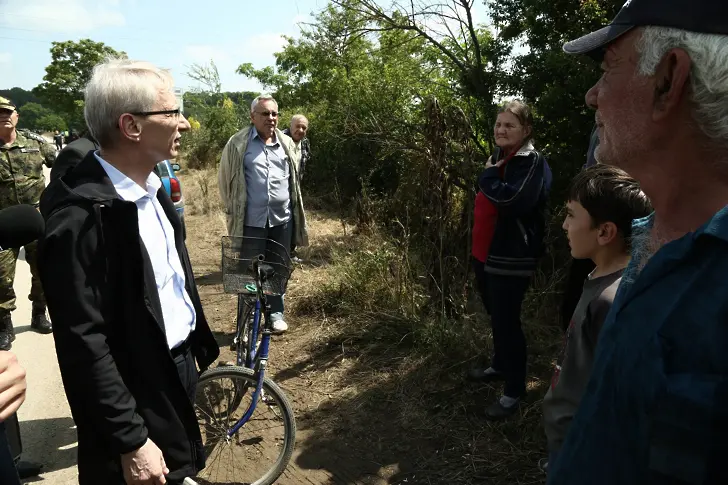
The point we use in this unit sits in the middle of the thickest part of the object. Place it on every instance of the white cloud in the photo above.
(5, 57)
(73, 16)
(261, 47)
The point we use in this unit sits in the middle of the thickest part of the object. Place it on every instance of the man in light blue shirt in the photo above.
(261, 194)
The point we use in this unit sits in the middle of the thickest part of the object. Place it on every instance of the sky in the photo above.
(171, 34)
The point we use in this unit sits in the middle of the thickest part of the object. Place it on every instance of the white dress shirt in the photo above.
(158, 236)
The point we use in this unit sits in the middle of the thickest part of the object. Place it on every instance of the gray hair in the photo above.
(298, 117)
(708, 76)
(119, 86)
(262, 97)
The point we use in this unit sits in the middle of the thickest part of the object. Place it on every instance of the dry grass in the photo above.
(200, 191)
(378, 391)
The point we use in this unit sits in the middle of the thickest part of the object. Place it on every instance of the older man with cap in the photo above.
(656, 407)
(21, 182)
(129, 327)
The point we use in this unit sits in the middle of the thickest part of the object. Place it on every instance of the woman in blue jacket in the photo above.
(516, 180)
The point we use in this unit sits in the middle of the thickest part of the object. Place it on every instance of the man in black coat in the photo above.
(128, 322)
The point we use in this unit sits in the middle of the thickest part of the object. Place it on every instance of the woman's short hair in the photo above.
(520, 110)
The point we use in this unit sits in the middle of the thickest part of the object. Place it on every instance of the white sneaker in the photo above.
(279, 326)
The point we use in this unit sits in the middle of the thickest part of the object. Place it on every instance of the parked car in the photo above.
(166, 171)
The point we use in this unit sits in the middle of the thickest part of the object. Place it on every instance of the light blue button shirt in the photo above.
(266, 172)
(158, 237)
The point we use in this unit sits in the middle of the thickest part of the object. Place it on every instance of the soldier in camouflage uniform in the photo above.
(21, 182)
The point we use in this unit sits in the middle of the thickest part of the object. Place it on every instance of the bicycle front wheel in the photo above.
(260, 450)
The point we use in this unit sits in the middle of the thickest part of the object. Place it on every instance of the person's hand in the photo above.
(499, 163)
(12, 384)
(144, 466)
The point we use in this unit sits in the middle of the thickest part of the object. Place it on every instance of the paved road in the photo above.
(47, 430)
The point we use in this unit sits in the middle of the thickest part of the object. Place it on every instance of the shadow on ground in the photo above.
(214, 278)
(391, 416)
(51, 442)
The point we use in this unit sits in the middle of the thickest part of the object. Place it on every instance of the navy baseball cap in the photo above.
(702, 16)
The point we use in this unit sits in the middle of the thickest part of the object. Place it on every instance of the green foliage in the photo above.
(19, 96)
(30, 113)
(197, 103)
(68, 73)
(37, 117)
(51, 122)
(203, 146)
(563, 121)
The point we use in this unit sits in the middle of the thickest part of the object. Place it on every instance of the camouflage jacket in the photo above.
(21, 170)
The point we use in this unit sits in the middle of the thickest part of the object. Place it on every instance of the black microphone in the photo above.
(20, 225)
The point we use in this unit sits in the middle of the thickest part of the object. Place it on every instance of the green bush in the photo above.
(203, 145)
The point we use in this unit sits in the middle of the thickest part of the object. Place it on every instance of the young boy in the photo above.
(603, 201)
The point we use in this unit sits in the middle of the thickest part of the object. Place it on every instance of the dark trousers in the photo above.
(578, 272)
(187, 370)
(274, 253)
(8, 474)
(481, 281)
(505, 298)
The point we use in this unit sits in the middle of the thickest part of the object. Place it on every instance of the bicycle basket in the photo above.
(238, 257)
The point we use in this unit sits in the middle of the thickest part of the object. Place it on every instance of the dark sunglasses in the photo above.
(165, 112)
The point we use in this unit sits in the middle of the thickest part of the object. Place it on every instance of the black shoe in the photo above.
(39, 321)
(7, 334)
(28, 469)
(498, 412)
(479, 374)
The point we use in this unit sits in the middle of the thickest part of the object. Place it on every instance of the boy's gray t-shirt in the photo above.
(574, 365)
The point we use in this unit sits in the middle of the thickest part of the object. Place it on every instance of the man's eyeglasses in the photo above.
(266, 114)
(163, 112)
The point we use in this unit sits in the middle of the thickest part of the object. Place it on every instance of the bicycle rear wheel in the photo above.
(260, 450)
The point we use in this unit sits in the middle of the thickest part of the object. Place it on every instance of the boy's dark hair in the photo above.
(609, 194)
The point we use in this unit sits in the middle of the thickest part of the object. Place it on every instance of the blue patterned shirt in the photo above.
(656, 406)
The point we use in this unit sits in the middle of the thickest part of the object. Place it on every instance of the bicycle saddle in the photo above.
(267, 271)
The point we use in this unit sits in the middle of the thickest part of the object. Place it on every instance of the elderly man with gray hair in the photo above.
(128, 322)
(260, 191)
(656, 407)
(298, 131)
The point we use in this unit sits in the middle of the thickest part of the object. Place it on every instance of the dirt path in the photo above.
(371, 407)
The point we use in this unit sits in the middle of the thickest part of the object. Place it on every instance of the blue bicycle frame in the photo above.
(256, 355)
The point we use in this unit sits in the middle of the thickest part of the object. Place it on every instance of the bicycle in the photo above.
(228, 397)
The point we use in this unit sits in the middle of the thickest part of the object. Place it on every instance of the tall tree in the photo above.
(19, 96)
(67, 75)
(465, 48)
(563, 121)
(30, 113)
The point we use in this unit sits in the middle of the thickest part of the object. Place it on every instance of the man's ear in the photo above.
(129, 127)
(607, 233)
(671, 79)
